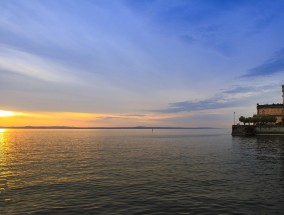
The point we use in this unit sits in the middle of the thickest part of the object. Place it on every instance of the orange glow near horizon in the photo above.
(78, 119)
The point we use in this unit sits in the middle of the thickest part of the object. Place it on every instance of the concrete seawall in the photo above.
(269, 129)
(243, 130)
(251, 130)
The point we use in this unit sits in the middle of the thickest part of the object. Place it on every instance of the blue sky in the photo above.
(163, 62)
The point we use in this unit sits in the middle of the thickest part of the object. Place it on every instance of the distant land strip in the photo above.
(72, 127)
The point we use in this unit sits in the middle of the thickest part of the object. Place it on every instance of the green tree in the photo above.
(249, 120)
(272, 119)
(242, 119)
(267, 119)
(255, 119)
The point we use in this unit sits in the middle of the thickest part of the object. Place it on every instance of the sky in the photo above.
(187, 63)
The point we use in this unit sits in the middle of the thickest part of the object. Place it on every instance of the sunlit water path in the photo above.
(140, 172)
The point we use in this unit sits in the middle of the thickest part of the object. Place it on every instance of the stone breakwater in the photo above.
(243, 130)
(251, 130)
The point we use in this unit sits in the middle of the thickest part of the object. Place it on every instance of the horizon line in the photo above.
(105, 127)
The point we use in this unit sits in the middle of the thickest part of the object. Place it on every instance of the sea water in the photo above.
(140, 172)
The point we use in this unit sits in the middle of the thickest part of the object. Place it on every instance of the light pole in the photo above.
(234, 118)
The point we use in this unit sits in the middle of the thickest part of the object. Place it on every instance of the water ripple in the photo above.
(136, 172)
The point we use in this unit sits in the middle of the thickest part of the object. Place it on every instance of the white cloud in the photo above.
(27, 64)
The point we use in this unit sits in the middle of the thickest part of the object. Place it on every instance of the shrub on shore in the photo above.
(258, 120)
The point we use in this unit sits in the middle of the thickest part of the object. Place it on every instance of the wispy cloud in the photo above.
(234, 97)
(188, 106)
(31, 65)
(211, 24)
(272, 66)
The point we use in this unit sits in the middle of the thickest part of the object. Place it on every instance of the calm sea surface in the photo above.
(140, 172)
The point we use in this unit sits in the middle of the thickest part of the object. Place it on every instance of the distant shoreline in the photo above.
(71, 127)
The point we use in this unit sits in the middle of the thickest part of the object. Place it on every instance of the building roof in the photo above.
(278, 105)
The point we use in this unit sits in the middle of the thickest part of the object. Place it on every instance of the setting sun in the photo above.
(4, 113)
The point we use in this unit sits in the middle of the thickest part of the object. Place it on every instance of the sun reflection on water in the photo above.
(2, 130)
(3, 138)
(3, 146)
(3, 160)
